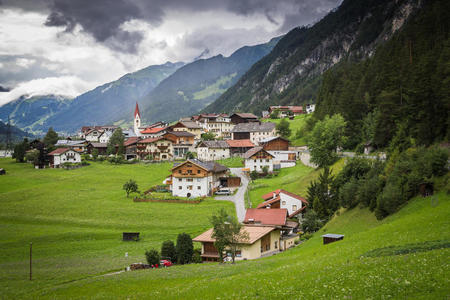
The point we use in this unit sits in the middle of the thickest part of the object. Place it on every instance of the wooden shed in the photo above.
(230, 181)
(130, 236)
(331, 237)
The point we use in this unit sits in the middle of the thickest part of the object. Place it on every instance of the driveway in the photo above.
(239, 197)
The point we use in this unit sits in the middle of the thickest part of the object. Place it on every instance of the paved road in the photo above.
(239, 197)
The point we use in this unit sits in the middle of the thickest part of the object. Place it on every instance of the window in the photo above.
(276, 245)
(189, 179)
(267, 160)
(189, 171)
(179, 171)
(198, 180)
(189, 187)
(180, 179)
(283, 202)
(199, 188)
(180, 187)
(294, 207)
(198, 171)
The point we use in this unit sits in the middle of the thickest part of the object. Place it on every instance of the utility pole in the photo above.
(31, 261)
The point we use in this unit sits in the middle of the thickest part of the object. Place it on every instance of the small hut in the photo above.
(331, 237)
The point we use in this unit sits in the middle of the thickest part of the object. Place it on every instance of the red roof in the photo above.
(240, 143)
(136, 111)
(297, 109)
(153, 130)
(130, 141)
(268, 202)
(277, 193)
(59, 151)
(275, 216)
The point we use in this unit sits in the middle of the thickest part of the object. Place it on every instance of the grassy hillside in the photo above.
(295, 180)
(340, 270)
(75, 220)
(294, 125)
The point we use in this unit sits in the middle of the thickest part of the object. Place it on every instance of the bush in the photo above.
(153, 257)
(254, 175)
(196, 257)
(305, 237)
(348, 193)
(311, 221)
(168, 251)
(185, 248)
(130, 187)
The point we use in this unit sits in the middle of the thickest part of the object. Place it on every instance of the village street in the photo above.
(239, 197)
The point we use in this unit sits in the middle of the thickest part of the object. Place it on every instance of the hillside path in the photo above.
(239, 197)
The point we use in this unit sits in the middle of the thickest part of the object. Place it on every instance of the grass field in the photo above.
(311, 270)
(294, 125)
(75, 220)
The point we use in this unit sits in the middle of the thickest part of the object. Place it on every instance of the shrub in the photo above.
(185, 248)
(196, 256)
(348, 193)
(311, 221)
(168, 251)
(153, 257)
(254, 175)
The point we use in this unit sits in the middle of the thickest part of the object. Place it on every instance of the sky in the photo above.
(68, 47)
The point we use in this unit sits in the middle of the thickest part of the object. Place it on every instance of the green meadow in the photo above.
(297, 123)
(75, 220)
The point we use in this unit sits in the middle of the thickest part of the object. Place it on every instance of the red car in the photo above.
(165, 263)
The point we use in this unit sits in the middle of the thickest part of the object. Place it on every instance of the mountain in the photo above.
(102, 105)
(292, 72)
(197, 84)
(30, 113)
(400, 96)
(16, 133)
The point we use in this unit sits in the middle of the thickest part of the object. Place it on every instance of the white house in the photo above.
(257, 158)
(213, 150)
(195, 178)
(63, 155)
(105, 136)
(310, 108)
(93, 135)
(254, 131)
(295, 204)
(284, 158)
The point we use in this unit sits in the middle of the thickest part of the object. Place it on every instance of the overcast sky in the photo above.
(68, 47)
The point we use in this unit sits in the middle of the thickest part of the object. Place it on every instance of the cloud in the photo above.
(69, 86)
(99, 41)
(103, 19)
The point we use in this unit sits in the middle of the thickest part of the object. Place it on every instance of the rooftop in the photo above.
(246, 115)
(150, 130)
(253, 151)
(209, 166)
(59, 151)
(254, 127)
(240, 143)
(214, 144)
(274, 216)
(254, 234)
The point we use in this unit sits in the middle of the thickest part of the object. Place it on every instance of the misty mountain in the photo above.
(199, 83)
(30, 113)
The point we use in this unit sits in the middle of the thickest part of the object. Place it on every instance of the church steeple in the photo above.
(137, 120)
(136, 111)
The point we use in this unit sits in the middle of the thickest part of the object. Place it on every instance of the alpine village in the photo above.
(314, 166)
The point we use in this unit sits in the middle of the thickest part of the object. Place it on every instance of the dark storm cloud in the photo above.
(103, 18)
(4, 89)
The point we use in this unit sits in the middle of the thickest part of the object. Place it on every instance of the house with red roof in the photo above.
(153, 132)
(277, 217)
(277, 199)
(239, 147)
(63, 155)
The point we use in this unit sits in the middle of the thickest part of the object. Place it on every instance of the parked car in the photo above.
(165, 263)
(223, 192)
